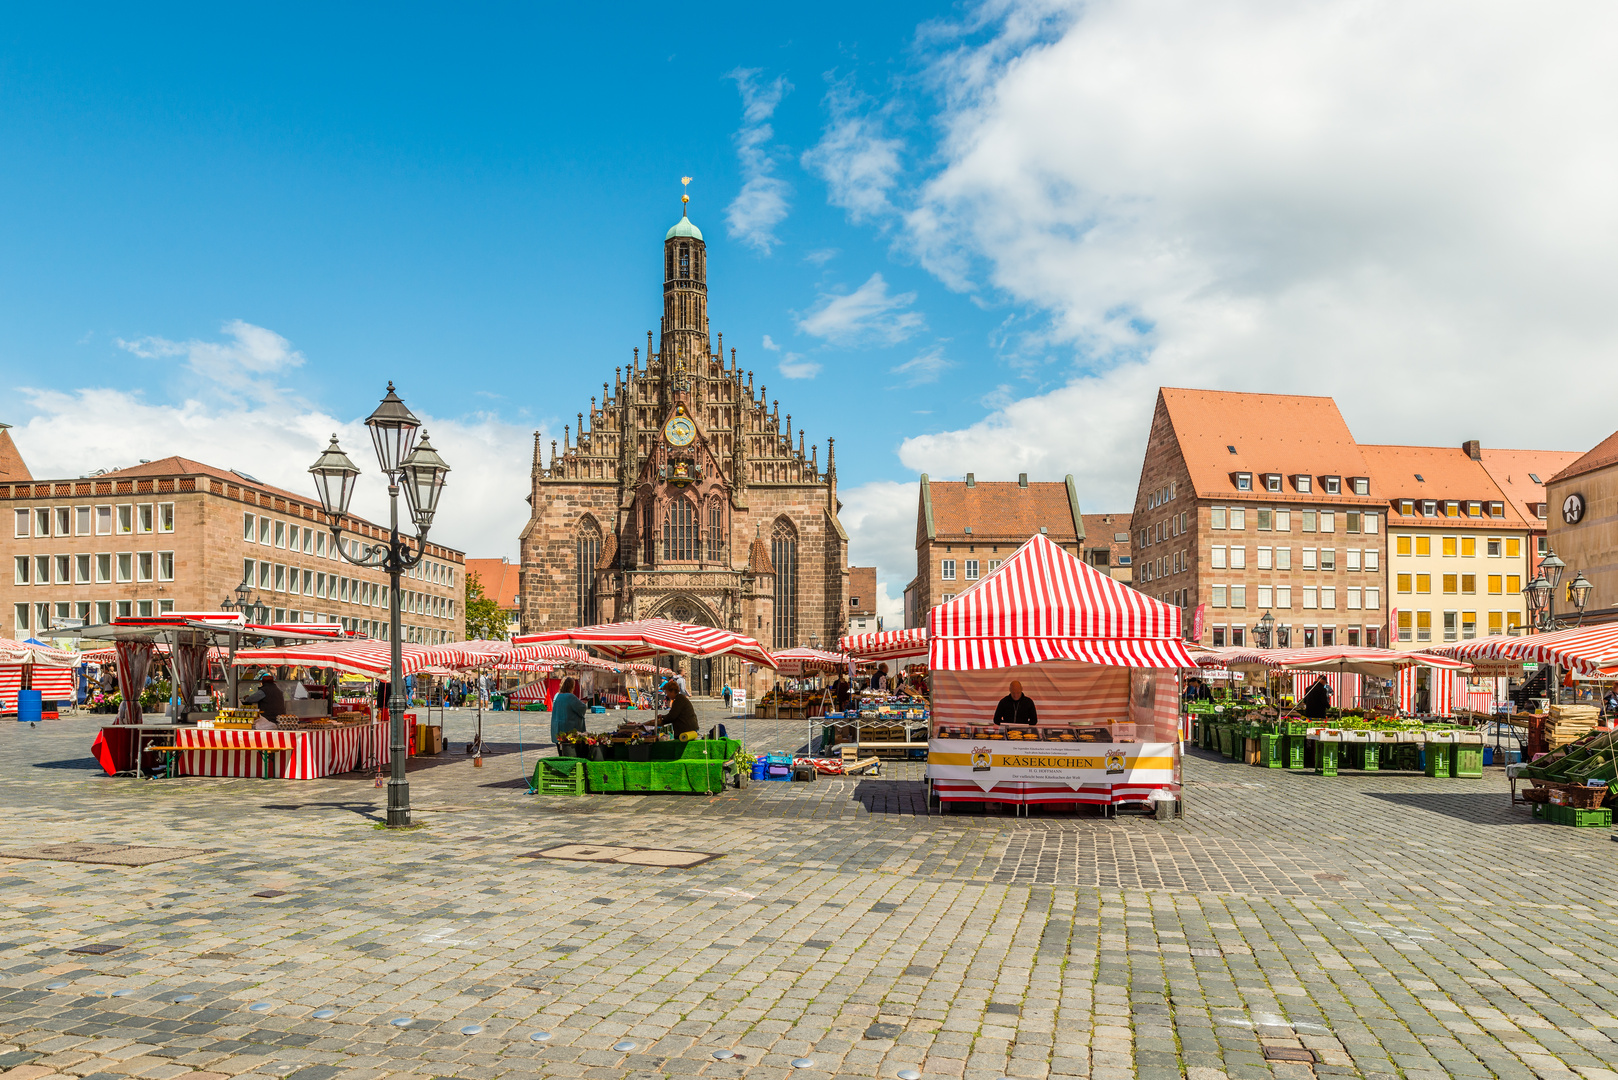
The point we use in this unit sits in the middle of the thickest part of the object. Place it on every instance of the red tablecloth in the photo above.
(304, 755)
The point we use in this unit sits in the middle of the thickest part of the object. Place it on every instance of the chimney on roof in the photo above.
(971, 480)
(1474, 449)
(1022, 479)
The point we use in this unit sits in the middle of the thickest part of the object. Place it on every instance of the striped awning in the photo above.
(1584, 649)
(23, 652)
(650, 638)
(1366, 660)
(504, 655)
(796, 661)
(373, 658)
(1043, 604)
(886, 644)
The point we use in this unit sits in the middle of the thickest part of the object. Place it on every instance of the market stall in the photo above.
(1098, 658)
(33, 675)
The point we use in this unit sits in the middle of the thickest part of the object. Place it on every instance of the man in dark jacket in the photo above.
(1317, 700)
(1015, 708)
(682, 714)
(269, 699)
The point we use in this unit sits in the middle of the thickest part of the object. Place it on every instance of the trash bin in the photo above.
(29, 706)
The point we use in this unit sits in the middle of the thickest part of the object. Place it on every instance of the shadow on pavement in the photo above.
(1480, 808)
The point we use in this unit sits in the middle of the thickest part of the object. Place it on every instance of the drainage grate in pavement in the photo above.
(98, 949)
(1288, 1053)
(633, 856)
(108, 854)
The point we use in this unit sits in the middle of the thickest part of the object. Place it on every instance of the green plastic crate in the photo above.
(1540, 810)
(1272, 751)
(1438, 755)
(1296, 744)
(1579, 819)
(1326, 756)
(1466, 761)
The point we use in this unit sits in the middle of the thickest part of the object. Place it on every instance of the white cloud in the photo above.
(762, 202)
(866, 316)
(246, 364)
(794, 366)
(1378, 202)
(769, 343)
(275, 437)
(924, 367)
(880, 519)
(859, 163)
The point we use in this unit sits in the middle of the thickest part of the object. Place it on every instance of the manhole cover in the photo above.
(97, 949)
(105, 854)
(630, 855)
(1288, 1053)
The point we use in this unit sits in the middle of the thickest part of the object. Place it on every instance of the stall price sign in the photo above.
(991, 761)
(738, 700)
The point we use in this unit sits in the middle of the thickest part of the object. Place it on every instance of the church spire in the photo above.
(684, 346)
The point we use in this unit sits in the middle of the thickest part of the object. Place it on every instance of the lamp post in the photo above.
(1541, 596)
(1265, 627)
(421, 472)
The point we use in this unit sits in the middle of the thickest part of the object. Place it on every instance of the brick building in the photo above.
(1458, 550)
(500, 579)
(1254, 503)
(178, 535)
(964, 529)
(862, 616)
(686, 496)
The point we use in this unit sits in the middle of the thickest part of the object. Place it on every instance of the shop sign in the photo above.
(1573, 509)
(986, 762)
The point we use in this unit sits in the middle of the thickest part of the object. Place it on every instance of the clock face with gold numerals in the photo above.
(679, 431)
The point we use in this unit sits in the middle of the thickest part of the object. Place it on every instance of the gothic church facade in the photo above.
(683, 495)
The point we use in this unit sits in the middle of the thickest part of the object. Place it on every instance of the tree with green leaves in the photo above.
(484, 619)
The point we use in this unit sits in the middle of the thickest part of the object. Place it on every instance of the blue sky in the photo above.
(953, 237)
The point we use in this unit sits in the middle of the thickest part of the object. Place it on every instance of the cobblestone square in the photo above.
(1389, 925)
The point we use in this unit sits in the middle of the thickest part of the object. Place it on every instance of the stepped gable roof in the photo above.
(12, 466)
(1288, 434)
(1445, 473)
(1603, 454)
(862, 588)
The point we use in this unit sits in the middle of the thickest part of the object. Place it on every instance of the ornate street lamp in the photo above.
(1538, 594)
(1265, 627)
(422, 472)
(1578, 591)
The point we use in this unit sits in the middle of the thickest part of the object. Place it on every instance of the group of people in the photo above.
(568, 710)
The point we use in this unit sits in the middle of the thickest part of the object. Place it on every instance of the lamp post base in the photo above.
(398, 804)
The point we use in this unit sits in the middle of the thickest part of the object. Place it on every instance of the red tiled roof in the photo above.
(1604, 454)
(1000, 511)
(758, 557)
(1105, 529)
(1512, 471)
(1271, 433)
(1446, 473)
(498, 578)
(862, 590)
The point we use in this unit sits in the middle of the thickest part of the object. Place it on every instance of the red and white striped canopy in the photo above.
(1365, 660)
(307, 629)
(504, 655)
(796, 661)
(373, 658)
(886, 644)
(20, 652)
(655, 637)
(1584, 649)
(1044, 604)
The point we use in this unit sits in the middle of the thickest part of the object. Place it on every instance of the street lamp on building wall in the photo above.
(1541, 595)
(417, 468)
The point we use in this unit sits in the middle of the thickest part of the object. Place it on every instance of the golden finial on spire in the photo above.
(685, 197)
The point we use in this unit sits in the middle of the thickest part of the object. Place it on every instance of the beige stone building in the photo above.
(178, 535)
(964, 529)
(1583, 513)
(685, 493)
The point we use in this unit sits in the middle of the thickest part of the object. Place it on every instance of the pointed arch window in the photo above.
(685, 260)
(716, 531)
(648, 534)
(680, 532)
(784, 554)
(587, 552)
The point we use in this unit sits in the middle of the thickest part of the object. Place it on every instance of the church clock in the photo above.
(679, 431)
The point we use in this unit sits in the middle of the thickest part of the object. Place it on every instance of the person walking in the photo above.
(567, 711)
(725, 693)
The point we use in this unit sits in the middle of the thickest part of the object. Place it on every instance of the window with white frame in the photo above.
(22, 571)
(1218, 600)
(1283, 596)
(280, 578)
(280, 534)
(1283, 558)
(145, 518)
(1238, 596)
(1216, 557)
(82, 516)
(1372, 558)
(1216, 517)
(126, 518)
(165, 517)
(948, 568)
(1309, 559)
(1328, 597)
(1328, 521)
(126, 566)
(103, 568)
(1238, 557)
(64, 569)
(266, 529)
(249, 529)
(1352, 598)
(165, 566)
(1311, 597)
(971, 569)
(266, 575)
(1351, 559)
(1373, 598)
(1266, 596)
(82, 570)
(22, 523)
(1238, 518)
(64, 521)
(104, 520)
(144, 566)
(1266, 558)
(1328, 558)
(42, 569)
(42, 521)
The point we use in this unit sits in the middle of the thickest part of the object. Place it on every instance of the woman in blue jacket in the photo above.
(567, 711)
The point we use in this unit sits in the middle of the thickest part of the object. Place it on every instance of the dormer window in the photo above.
(1499, 510)
(1407, 507)
(1272, 481)
(1539, 511)
(1333, 484)
(1303, 483)
(1474, 509)
(1244, 481)
(1452, 508)
(1362, 485)
(1429, 508)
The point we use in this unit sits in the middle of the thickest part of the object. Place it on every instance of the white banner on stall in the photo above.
(987, 762)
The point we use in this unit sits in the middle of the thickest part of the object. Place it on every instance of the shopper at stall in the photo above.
(567, 710)
(879, 681)
(1317, 700)
(1016, 707)
(682, 715)
(269, 699)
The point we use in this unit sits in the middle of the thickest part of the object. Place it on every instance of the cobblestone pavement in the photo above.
(1389, 925)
